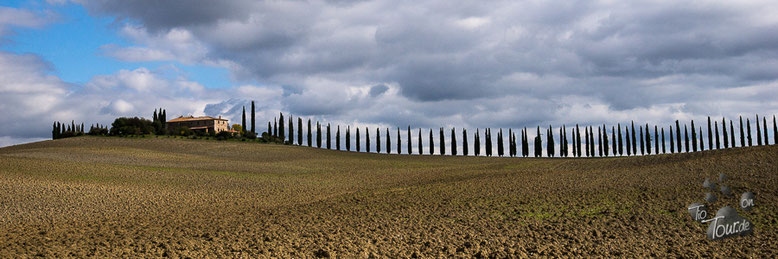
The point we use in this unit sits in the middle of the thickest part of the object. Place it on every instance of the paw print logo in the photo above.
(727, 222)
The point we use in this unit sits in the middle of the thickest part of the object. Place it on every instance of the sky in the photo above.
(388, 64)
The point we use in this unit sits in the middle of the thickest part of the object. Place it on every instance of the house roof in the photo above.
(192, 118)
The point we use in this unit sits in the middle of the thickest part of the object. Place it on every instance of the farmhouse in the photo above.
(204, 123)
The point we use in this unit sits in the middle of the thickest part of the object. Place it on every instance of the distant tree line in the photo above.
(627, 140)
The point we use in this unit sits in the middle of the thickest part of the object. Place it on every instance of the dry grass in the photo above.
(166, 197)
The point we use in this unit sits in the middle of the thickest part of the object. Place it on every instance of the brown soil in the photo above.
(186, 198)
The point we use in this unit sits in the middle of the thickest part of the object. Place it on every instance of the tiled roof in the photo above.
(192, 118)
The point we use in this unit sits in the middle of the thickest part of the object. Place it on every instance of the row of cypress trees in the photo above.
(593, 142)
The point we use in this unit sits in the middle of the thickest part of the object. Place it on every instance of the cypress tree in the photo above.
(724, 130)
(420, 145)
(717, 135)
(337, 137)
(464, 142)
(299, 131)
(310, 136)
(318, 135)
(477, 143)
(748, 128)
(453, 142)
(549, 142)
(329, 146)
(399, 142)
(742, 134)
(388, 142)
(488, 143)
(591, 141)
(678, 136)
(578, 140)
(377, 140)
(367, 140)
(348, 138)
(642, 141)
(432, 143)
(621, 146)
(243, 125)
(253, 117)
(710, 136)
(764, 129)
(694, 137)
(275, 127)
(605, 140)
(499, 143)
(599, 141)
(538, 144)
(758, 132)
(410, 146)
(672, 142)
(565, 143)
(686, 137)
(54, 129)
(269, 129)
(359, 144)
(442, 142)
(525, 145)
(291, 130)
(629, 140)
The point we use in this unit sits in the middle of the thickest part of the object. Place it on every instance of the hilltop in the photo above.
(108, 196)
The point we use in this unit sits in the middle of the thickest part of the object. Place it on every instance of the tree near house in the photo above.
(253, 117)
(243, 125)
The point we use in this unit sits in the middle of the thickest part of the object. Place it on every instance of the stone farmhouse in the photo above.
(205, 123)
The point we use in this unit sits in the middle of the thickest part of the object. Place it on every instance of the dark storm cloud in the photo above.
(502, 63)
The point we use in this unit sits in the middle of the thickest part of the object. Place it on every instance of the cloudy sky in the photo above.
(462, 64)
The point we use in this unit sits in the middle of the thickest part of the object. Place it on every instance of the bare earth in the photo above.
(92, 196)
